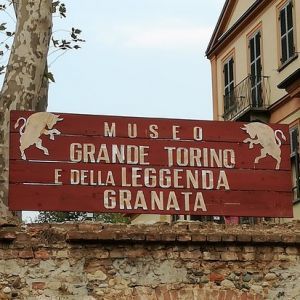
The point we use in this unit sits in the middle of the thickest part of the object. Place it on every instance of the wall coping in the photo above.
(179, 232)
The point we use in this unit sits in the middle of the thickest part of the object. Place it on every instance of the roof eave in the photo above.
(255, 8)
(216, 29)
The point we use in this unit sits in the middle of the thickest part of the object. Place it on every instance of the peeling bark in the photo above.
(25, 86)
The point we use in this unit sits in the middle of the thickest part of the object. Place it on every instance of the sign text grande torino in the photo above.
(70, 162)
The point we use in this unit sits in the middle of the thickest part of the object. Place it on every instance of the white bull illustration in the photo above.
(265, 136)
(37, 124)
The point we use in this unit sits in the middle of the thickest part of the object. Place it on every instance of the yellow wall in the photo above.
(270, 52)
(240, 8)
(290, 119)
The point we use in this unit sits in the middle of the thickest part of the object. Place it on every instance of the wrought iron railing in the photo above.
(252, 92)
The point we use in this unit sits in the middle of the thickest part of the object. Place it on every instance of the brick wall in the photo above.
(182, 261)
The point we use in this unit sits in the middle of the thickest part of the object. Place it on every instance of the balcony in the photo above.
(248, 100)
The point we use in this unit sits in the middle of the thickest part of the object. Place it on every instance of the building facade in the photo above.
(255, 64)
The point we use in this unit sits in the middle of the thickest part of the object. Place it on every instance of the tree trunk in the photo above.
(25, 86)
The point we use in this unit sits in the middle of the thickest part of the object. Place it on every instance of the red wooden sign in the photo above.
(68, 162)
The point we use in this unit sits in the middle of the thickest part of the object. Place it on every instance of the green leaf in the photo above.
(2, 26)
(54, 6)
(2, 68)
(62, 10)
(55, 42)
(50, 76)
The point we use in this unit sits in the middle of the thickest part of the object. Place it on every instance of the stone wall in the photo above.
(180, 261)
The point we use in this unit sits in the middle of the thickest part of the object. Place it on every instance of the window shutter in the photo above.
(294, 141)
(283, 21)
(225, 70)
(231, 70)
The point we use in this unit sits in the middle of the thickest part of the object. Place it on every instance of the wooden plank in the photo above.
(86, 198)
(90, 174)
(59, 150)
(233, 183)
(94, 125)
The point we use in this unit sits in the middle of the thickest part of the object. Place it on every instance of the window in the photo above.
(255, 70)
(287, 32)
(294, 132)
(228, 85)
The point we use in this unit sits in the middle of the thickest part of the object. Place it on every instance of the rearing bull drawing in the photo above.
(267, 138)
(36, 125)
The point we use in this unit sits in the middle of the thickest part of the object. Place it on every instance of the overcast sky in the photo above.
(141, 58)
